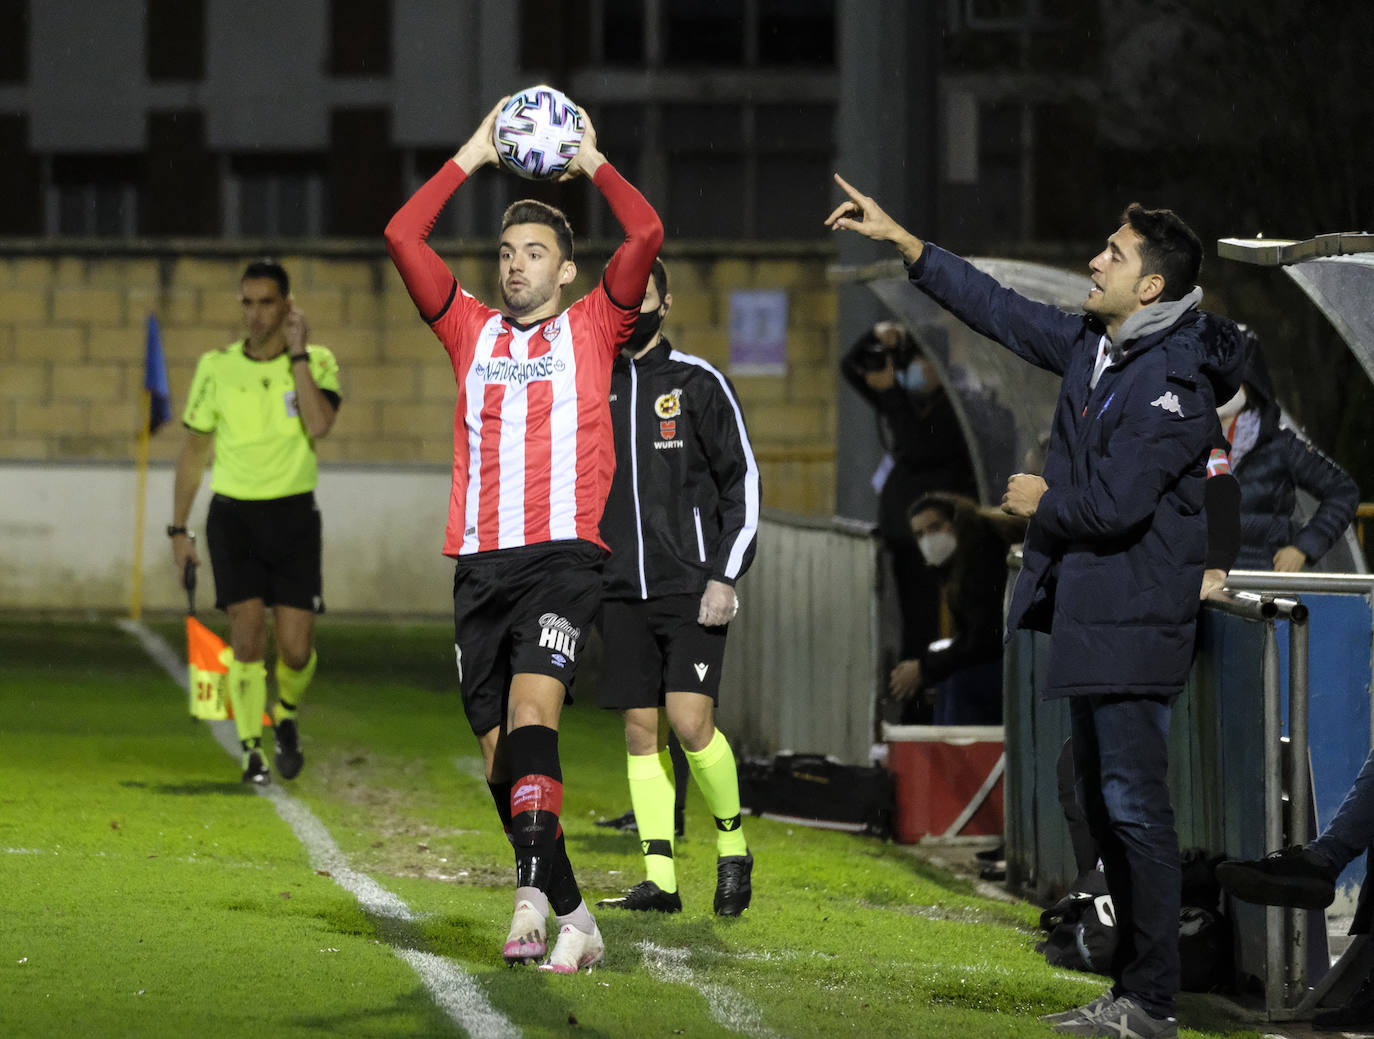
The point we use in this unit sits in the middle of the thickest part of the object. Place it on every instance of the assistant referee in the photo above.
(261, 403)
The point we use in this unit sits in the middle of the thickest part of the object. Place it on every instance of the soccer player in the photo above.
(681, 522)
(261, 403)
(532, 462)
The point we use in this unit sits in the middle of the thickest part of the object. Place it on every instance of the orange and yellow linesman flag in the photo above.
(207, 658)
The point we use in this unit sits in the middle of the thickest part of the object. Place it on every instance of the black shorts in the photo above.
(268, 550)
(654, 647)
(521, 611)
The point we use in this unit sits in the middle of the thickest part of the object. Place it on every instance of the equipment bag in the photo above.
(816, 790)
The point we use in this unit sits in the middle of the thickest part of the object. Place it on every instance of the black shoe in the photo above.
(733, 890)
(997, 854)
(1292, 877)
(646, 895)
(288, 756)
(624, 823)
(255, 771)
(993, 872)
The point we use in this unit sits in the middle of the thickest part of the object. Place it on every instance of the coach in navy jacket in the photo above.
(1115, 549)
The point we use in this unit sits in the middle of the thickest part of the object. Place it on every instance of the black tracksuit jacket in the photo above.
(684, 503)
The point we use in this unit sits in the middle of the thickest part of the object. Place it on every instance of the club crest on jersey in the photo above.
(667, 429)
(558, 634)
(551, 330)
(669, 405)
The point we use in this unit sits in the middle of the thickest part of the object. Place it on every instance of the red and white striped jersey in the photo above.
(533, 453)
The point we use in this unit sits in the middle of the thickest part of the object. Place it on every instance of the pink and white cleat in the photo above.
(575, 949)
(526, 942)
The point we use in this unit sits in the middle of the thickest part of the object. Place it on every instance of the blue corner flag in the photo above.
(155, 379)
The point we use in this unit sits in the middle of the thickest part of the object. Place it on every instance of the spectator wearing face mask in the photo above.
(924, 451)
(1272, 463)
(967, 549)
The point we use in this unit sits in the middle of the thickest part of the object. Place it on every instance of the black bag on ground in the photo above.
(1081, 926)
(817, 790)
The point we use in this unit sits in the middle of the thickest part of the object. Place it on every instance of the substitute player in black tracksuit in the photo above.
(681, 522)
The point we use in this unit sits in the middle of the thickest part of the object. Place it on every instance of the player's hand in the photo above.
(883, 379)
(296, 330)
(588, 158)
(1290, 559)
(1024, 491)
(905, 679)
(1213, 581)
(719, 604)
(183, 549)
(862, 214)
(480, 149)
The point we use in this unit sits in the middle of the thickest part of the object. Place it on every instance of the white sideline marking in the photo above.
(453, 989)
(726, 1006)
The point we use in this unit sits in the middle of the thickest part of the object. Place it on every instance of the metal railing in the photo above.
(1285, 929)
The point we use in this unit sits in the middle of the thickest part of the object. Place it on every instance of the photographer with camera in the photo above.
(924, 451)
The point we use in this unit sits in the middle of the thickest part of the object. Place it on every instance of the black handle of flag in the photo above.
(188, 578)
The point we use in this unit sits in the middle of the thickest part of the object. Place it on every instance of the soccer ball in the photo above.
(537, 132)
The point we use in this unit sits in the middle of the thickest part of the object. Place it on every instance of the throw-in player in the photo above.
(532, 464)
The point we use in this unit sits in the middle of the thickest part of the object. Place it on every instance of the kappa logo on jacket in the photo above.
(1169, 402)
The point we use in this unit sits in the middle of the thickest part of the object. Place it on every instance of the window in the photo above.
(360, 38)
(95, 195)
(796, 33)
(274, 196)
(14, 41)
(622, 32)
(705, 32)
(175, 40)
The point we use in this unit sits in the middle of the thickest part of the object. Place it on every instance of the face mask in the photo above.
(646, 327)
(1234, 406)
(913, 376)
(937, 547)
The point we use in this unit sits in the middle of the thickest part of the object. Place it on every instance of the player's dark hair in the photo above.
(266, 268)
(660, 275)
(1169, 247)
(532, 211)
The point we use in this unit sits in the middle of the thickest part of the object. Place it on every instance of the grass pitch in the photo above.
(147, 893)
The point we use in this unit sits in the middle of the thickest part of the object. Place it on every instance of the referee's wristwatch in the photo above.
(173, 530)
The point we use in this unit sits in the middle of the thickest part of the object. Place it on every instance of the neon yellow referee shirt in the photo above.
(262, 450)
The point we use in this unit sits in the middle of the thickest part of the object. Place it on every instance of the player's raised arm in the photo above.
(862, 214)
(628, 271)
(427, 278)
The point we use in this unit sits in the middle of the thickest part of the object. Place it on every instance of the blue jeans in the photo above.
(1121, 756)
(1351, 830)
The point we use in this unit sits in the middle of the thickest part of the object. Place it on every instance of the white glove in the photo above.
(719, 604)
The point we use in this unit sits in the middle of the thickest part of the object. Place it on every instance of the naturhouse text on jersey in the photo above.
(511, 370)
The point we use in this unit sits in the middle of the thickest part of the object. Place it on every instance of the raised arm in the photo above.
(628, 272)
(427, 278)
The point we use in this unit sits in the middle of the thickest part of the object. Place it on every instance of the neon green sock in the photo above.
(248, 695)
(651, 796)
(291, 686)
(713, 767)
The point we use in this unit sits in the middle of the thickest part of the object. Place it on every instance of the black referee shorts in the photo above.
(654, 647)
(521, 611)
(268, 550)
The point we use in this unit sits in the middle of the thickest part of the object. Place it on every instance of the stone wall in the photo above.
(72, 341)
